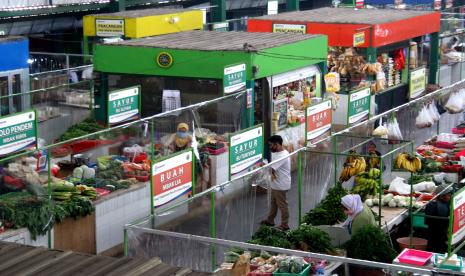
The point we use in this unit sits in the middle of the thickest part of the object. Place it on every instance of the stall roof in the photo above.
(346, 16)
(4, 39)
(350, 27)
(140, 13)
(217, 41)
(18, 259)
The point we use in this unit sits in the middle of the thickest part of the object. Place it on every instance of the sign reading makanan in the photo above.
(124, 105)
(172, 178)
(17, 132)
(109, 27)
(245, 150)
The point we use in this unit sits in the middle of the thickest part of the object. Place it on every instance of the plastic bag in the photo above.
(435, 112)
(398, 185)
(425, 118)
(456, 102)
(381, 130)
(394, 133)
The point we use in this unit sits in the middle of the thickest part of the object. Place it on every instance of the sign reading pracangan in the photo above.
(318, 120)
(290, 28)
(109, 27)
(417, 83)
(359, 105)
(124, 105)
(458, 225)
(172, 178)
(18, 132)
(234, 78)
(245, 149)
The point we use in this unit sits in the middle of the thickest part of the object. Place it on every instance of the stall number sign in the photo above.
(245, 150)
(359, 39)
(289, 28)
(458, 226)
(109, 27)
(172, 178)
(417, 82)
(17, 132)
(318, 119)
(359, 105)
(124, 105)
(234, 79)
(222, 27)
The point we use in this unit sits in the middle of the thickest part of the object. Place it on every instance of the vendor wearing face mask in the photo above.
(358, 213)
(181, 140)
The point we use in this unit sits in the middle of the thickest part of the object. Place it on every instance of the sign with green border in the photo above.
(417, 82)
(318, 120)
(359, 105)
(234, 78)
(18, 132)
(222, 27)
(245, 149)
(290, 28)
(173, 177)
(124, 105)
(457, 223)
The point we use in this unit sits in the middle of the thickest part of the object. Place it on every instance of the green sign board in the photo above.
(222, 27)
(417, 82)
(18, 132)
(245, 149)
(457, 213)
(359, 105)
(234, 78)
(123, 105)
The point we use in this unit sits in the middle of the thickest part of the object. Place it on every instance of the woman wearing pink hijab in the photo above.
(358, 213)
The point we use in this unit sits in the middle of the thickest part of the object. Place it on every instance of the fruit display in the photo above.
(367, 183)
(408, 162)
(354, 165)
(374, 161)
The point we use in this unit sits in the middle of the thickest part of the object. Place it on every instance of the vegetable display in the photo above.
(270, 236)
(370, 243)
(328, 211)
(85, 127)
(312, 239)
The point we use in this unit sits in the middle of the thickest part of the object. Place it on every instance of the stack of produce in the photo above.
(390, 200)
(408, 162)
(109, 168)
(328, 211)
(63, 190)
(354, 165)
(367, 183)
(85, 127)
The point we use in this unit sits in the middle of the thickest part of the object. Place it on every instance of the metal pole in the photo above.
(299, 174)
(292, 5)
(434, 58)
(218, 13)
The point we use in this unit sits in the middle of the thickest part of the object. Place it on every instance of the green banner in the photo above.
(417, 82)
(17, 132)
(234, 78)
(245, 149)
(124, 105)
(359, 105)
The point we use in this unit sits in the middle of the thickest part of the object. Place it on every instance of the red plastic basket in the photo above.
(415, 257)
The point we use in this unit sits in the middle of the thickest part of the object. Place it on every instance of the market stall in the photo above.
(225, 63)
(138, 23)
(362, 55)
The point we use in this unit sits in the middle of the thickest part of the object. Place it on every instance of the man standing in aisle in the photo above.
(280, 183)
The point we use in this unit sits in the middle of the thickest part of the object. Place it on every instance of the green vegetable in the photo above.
(370, 243)
(266, 235)
(78, 173)
(329, 211)
(85, 127)
(312, 239)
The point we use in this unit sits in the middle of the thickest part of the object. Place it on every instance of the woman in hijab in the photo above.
(358, 213)
(181, 140)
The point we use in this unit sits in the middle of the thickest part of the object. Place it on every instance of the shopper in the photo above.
(438, 227)
(358, 213)
(280, 184)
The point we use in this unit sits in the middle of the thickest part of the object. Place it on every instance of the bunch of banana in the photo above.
(367, 183)
(374, 161)
(354, 165)
(408, 162)
(87, 191)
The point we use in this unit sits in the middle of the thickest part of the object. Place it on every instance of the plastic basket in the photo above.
(305, 272)
(447, 266)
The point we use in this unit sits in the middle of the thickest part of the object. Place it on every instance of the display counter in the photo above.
(23, 236)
